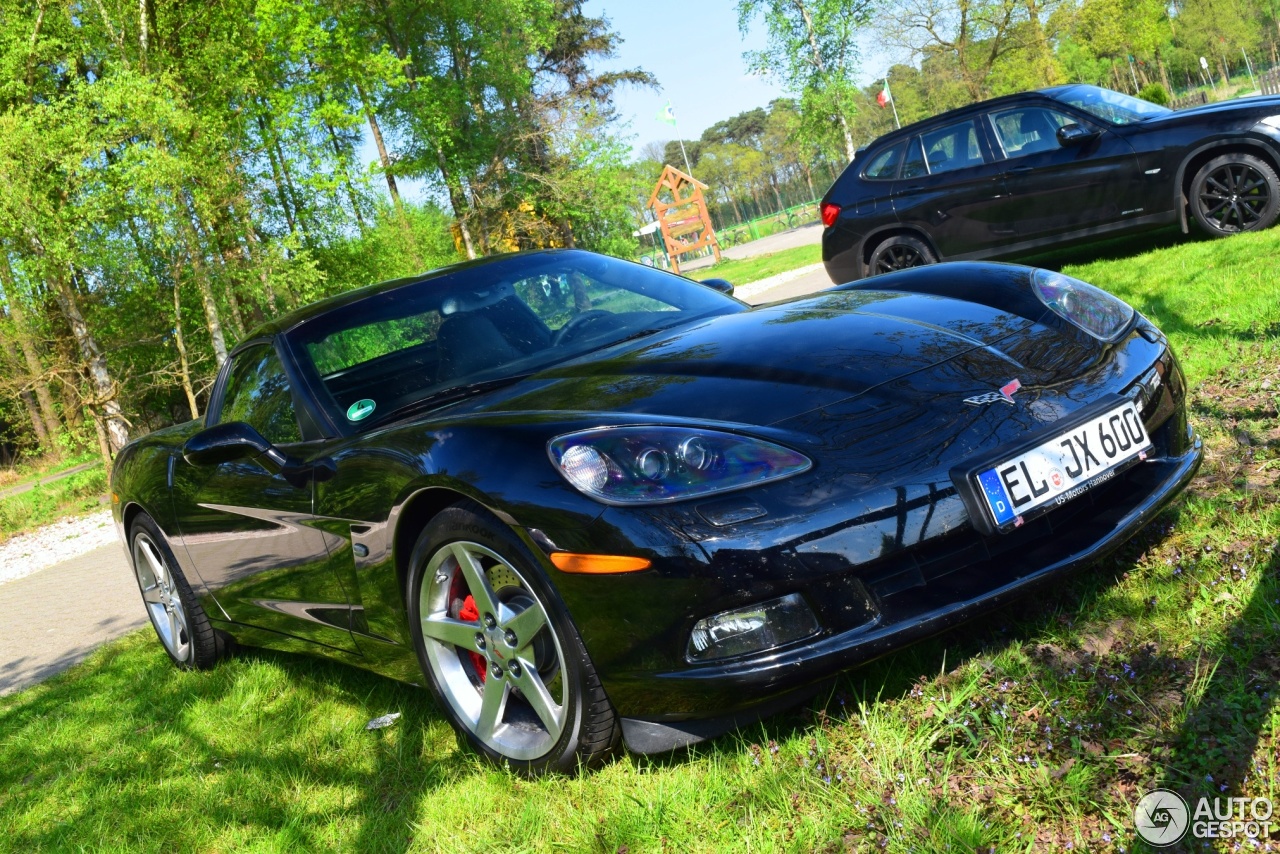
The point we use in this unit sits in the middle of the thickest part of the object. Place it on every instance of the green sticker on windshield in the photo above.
(360, 410)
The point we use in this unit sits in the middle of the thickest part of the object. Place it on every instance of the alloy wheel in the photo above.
(493, 651)
(161, 597)
(1234, 197)
(897, 257)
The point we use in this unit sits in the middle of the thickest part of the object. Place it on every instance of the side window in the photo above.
(1028, 130)
(914, 165)
(952, 147)
(258, 393)
(884, 165)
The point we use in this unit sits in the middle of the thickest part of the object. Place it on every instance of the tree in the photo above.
(812, 49)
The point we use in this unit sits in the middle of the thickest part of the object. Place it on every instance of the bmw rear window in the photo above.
(884, 164)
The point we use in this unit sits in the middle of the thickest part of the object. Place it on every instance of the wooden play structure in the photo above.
(685, 223)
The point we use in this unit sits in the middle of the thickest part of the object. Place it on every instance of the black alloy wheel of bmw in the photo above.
(499, 651)
(1235, 193)
(898, 253)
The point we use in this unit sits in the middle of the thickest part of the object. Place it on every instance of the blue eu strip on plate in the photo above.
(997, 498)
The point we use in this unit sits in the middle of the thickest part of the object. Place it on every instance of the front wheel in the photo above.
(899, 253)
(500, 653)
(1235, 193)
(176, 614)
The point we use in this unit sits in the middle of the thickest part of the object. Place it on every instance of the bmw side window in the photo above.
(914, 166)
(1028, 130)
(258, 393)
(884, 166)
(952, 147)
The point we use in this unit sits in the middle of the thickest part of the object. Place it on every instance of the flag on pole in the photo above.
(668, 115)
(884, 99)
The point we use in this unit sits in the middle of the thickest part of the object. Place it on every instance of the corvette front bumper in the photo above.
(1007, 566)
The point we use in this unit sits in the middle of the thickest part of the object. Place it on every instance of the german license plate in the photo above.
(1065, 466)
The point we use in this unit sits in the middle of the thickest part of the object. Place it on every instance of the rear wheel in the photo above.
(1235, 193)
(177, 616)
(898, 253)
(499, 652)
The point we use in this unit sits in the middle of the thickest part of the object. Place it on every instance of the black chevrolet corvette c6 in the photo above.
(583, 499)
(1028, 172)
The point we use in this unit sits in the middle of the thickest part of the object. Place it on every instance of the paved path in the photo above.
(55, 617)
(802, 236)
(27, 487)
(815, 279)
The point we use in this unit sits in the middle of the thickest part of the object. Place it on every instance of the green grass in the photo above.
(1034, 728)
(70, 496)
(762, 266)
(40, 467)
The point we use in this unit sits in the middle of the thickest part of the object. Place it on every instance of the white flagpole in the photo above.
(896, 123)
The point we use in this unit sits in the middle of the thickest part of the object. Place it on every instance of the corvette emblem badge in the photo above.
(1006, 394)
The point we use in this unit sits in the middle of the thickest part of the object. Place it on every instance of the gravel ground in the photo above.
(27, 553)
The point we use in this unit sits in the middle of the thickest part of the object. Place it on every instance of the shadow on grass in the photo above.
(138, 750)
(1212, 754)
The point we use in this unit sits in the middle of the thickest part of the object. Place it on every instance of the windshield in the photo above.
(1114, 107)
(475, 327)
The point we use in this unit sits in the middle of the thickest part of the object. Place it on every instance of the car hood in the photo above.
(1256, 107)
(776, 362)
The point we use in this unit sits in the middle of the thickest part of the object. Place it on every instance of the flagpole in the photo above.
(892, 103)
(688, 170)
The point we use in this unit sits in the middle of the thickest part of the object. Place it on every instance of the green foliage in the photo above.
(71, 495)
(1155, 93)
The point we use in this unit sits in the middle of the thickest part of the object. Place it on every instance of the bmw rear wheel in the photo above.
(899, 253)
(500, 653)
(177, 616)
(1235, 193)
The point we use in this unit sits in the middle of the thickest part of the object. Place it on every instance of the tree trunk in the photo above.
(375, 130)
(212, 319)
(458, 201)
(346, 177)
(48, 414)
(278, 178)
(184, 365)
(106, 406)
(28, 399)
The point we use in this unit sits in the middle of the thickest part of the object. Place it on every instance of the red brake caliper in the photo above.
(469, 613)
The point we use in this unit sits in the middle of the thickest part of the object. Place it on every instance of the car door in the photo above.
(249, 527)
(1054, 189)
(949, 188)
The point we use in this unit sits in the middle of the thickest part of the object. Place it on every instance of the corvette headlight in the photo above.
(652, 465)
(1092, 309)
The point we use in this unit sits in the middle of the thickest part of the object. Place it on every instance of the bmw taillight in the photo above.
(829, 214)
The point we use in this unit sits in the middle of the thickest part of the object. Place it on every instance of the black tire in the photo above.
(461, 663)
(181, 624)
(899, 253)
(1234, 193)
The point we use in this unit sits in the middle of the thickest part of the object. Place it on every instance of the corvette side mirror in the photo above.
(223, 443)
(1069, 135)
(722, 285)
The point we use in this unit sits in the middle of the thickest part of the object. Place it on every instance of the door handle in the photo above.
(1020, 170)
(914, 189)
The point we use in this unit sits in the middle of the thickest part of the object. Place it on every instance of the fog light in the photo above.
(752, 628)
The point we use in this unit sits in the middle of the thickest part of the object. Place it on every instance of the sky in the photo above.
(695, 50)
(701, 71)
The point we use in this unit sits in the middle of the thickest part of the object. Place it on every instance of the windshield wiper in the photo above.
(449, 395)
